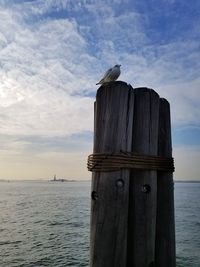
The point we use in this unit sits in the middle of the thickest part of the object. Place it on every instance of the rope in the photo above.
(106, 162)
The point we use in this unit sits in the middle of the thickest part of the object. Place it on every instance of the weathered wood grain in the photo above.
(165, 227)
(142, 204)
(110, 191)
(132, 212)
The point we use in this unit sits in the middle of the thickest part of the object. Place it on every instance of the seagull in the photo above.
(111, 75)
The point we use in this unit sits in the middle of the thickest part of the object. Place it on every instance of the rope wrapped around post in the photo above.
(105, 162)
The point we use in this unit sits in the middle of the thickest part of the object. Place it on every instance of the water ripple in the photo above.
(45, 224)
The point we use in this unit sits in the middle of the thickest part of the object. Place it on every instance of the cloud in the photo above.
(184, 101)
(52, 113)
(30, 157)
(53, 52)
(39, 73)
(48, 65)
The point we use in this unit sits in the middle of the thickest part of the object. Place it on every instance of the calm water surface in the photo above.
(47, 224)
(187, 211)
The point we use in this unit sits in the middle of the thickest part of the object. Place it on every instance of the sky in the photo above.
(53, 52)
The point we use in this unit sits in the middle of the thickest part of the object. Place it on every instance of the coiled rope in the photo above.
(105, 162)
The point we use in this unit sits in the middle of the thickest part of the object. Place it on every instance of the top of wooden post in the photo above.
(123, 86)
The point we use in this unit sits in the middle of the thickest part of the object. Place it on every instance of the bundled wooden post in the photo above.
(126, 219)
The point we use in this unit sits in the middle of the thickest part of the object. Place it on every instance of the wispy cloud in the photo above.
(53, 52)
(39, 73)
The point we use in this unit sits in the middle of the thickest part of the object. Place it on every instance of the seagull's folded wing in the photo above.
(108, 72)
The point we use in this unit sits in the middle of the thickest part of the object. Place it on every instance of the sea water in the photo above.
(47, 224)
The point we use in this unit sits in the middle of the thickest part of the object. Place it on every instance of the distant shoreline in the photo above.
(187, 181)
(72, 180)
(42, 180)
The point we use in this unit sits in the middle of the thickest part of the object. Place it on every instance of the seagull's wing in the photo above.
(108, 72)
(110, 75)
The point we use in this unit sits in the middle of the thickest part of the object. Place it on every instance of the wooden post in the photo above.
(110, 190)
(124, 228)
(165, 227)
(143, 184)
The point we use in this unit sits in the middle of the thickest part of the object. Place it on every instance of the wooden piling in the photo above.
(142, 202)
(110, 191)
(165, 227)
(126, 218)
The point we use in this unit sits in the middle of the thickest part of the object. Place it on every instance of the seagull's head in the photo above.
(117, 66)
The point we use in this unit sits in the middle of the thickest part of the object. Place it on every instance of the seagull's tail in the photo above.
(98, 83)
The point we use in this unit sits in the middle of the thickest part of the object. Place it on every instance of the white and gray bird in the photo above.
(111, 75)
